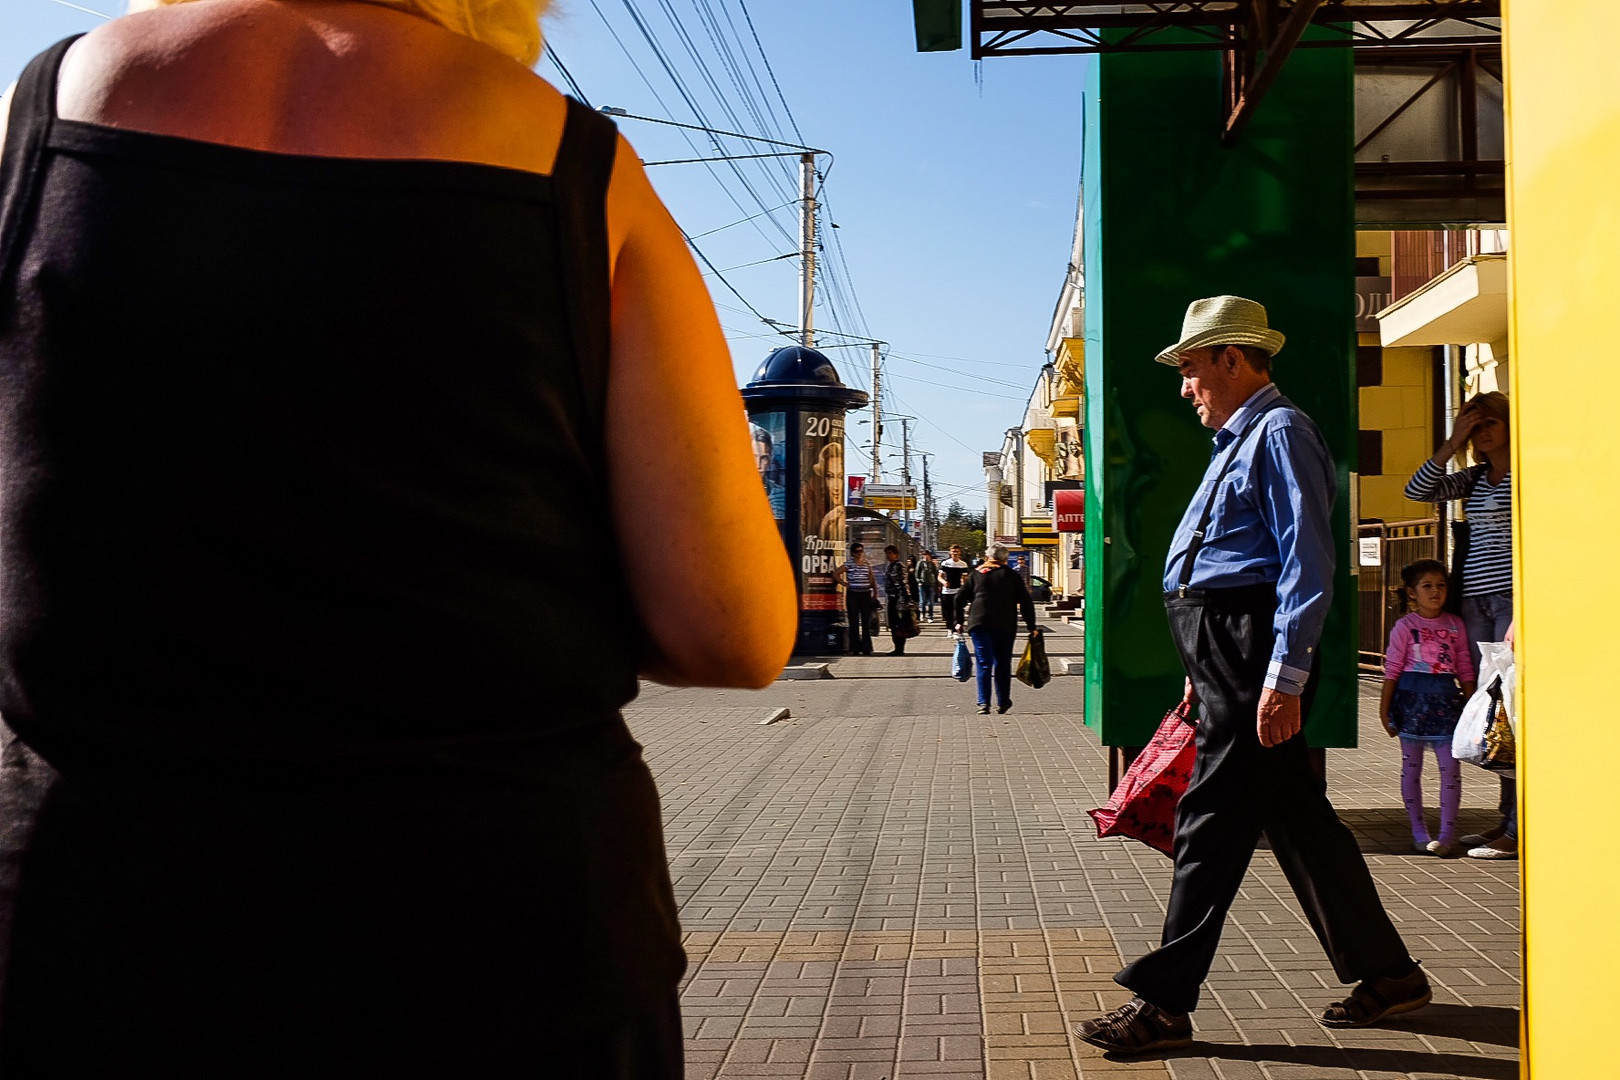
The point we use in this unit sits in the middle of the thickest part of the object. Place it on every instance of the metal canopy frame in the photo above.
(1255, 36)
(1458, 73)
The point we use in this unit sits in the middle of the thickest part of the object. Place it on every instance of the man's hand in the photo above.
(1279, 717)
(1189, 696)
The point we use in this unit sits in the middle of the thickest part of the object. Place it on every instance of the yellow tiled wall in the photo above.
(1402, 407)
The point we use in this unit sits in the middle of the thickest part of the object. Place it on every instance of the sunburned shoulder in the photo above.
(330, 79)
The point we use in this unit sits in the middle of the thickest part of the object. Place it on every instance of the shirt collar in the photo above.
(1240, 418)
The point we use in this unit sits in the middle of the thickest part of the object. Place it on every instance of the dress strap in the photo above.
(33, 111)
(580, 178)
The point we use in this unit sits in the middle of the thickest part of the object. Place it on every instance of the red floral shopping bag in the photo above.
(1143, 807)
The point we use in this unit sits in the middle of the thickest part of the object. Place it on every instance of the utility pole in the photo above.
(905, 460)
(928, 509)
(877, 413)
(807, 251)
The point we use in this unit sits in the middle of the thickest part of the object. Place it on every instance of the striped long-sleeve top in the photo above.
(1489, 565)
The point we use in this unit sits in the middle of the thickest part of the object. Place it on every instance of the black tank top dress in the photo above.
(312, 638)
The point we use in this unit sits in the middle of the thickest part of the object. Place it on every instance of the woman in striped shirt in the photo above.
(860, 599)
(1485, 489)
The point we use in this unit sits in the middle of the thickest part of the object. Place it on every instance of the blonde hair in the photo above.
(1493, 403)
(511, 27)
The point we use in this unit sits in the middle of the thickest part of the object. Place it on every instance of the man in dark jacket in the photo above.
(993, 596)
(900, 586)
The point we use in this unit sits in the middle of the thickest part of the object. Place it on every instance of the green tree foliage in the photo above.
(961, 527)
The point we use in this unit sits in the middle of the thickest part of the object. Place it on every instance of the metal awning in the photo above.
(1256, 35)
(1465, 305)
(1428, 80)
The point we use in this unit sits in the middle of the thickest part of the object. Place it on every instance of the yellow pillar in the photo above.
(1563, 165)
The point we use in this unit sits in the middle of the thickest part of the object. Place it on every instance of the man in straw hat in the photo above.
(1247, 585)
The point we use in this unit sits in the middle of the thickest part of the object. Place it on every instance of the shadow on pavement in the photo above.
(1494, 1024)
(1387, 830)
(1353, 1060)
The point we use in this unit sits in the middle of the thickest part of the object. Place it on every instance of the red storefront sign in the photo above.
(1069, 510)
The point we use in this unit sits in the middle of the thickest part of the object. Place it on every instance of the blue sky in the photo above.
(953, 186)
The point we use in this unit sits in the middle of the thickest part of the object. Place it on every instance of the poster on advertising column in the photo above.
(821, 507)
(769, 431)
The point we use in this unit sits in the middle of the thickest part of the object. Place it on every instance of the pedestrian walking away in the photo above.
(993, 597)
(1484, 594)
(1248, 580)
(900, 589)
(927, 584)
(857, 577)
(1428, 674)
(952, 572)
(313, 756)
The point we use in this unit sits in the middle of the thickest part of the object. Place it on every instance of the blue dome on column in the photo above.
(795, 371)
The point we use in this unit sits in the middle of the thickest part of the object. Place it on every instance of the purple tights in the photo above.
(1412, 788)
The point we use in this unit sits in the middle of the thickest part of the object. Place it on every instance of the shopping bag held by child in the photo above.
(1143, 807)
(961, 660)
(1033, 670)
(1485, 734)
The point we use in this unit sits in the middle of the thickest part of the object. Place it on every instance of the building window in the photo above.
(1369, 365)
(1370, 452)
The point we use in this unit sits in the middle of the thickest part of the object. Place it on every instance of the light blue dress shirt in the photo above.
(1272, 522)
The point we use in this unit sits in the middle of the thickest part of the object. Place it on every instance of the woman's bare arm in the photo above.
(706, 565)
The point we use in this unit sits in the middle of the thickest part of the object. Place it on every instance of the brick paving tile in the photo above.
(886, 886)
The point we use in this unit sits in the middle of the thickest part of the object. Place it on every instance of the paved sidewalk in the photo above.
(888, 885)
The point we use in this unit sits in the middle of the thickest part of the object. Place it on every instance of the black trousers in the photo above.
(1240, 790)
(897, 606)
(950, 609)
(860, 607)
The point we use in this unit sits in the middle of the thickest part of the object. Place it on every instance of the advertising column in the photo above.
(796, 406)
(821, 494)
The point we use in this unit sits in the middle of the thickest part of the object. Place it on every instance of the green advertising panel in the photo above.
(1172, 216)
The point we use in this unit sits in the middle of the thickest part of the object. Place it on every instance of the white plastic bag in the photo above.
(1498, 682)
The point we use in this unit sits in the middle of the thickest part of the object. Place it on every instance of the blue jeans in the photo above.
(992, 651)
(1487, 617)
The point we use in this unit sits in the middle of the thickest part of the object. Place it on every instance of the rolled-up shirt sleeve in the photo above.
(1297, 505)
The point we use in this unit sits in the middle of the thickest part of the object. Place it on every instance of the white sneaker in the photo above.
(1500, 848)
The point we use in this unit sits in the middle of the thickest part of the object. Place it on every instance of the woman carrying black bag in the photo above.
(993, 596)
(900, 586)
(1484, 556)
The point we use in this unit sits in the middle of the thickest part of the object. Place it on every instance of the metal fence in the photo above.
(1393, 544)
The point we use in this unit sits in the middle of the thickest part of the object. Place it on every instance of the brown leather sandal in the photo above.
(1377, 999)
(1137, 1027)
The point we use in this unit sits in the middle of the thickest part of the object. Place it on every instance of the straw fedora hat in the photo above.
(1223, 320)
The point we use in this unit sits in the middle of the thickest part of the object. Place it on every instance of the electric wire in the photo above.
(948, 386)
(568, 76)
(744, 221)
(638, 67)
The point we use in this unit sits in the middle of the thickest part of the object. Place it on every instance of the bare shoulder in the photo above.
(637, 218)
(324, 77)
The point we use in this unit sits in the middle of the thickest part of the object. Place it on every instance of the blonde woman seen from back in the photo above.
(324, 328)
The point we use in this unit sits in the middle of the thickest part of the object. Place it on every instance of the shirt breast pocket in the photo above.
(1230, 505)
